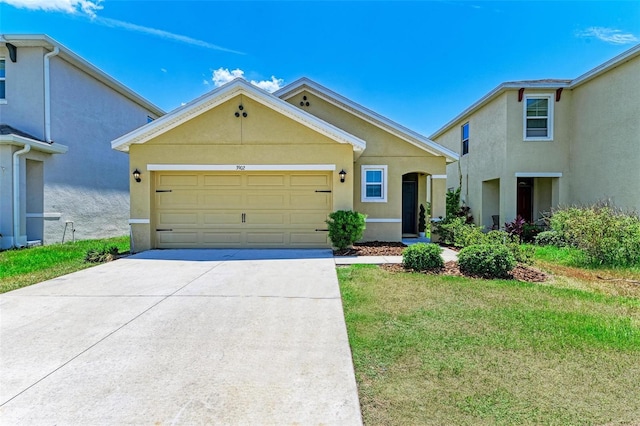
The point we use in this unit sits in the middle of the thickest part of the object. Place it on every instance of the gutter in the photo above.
(47, 93)
(16, 193)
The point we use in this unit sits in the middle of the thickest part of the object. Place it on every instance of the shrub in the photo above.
(550, 238)
(102, 254)
(458, 233)
(422, 220)
(486, 260)
(423, 257)
(345, 228)
(607, 235)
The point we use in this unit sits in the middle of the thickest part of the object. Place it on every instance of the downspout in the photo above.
(47, 94)
(16, 192)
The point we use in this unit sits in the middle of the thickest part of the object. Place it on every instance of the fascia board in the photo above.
(221, 95)
(601, 69)
(16, 140)
(367, 115)
(42, 40)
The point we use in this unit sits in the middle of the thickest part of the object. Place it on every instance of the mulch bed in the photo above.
(380, 248)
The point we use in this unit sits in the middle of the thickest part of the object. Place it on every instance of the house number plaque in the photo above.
(240, 167)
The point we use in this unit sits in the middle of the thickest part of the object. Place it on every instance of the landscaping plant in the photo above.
(345, 228)
(486, 260)
(423, 257)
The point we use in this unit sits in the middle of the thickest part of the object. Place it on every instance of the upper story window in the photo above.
(2, 79)
(374, 184)
(465, 138)
(149, 119)
(538, 117)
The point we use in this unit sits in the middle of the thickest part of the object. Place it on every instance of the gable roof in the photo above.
(541, 84)
(367, 115)
(222, 94)
(46, 42)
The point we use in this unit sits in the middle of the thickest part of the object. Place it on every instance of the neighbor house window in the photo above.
(538, 117)
(2, 80)
(465, 138)
(374, 183)
(149, 119)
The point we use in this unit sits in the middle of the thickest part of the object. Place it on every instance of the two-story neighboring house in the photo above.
(529, 146)
(58, 114)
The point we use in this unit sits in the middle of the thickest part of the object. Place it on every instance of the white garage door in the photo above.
(252, 209)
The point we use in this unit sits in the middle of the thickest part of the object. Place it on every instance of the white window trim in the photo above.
(550, 98)
(4, 100)
(363, 187)
(462, 139)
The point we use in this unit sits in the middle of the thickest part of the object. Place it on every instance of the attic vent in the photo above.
(304, 102)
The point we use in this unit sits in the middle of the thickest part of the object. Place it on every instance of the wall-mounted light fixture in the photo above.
(342, 174)
(136, 175)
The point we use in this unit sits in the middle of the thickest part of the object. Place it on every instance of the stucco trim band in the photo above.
(383, 220)
(240, 167)
(52, 215)
(139, 221)
(438, 176)
(539, 174)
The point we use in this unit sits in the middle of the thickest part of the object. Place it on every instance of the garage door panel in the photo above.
(222, 180)
(177, 218)
(178, 180)
(263, 238)
(177, 199)
(310, 201)
(314, 219)
(310, 180)
(177, 239)
(221, 200)
(309, 238)
(275, 201)
(228, 238)
(265, 180)
(222, 218)
(259, 218)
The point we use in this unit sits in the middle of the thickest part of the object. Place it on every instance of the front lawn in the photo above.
(449, 350)
(20, 268)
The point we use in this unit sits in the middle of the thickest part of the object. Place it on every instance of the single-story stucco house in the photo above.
(241, 167)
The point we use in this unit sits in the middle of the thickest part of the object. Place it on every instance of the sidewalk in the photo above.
(447, 255)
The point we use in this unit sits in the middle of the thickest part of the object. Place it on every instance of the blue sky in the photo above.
(420, 63)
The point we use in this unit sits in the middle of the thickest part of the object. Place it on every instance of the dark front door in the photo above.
(409, 207)
(525, 198)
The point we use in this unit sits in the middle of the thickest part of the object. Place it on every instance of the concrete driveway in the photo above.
(181, 337)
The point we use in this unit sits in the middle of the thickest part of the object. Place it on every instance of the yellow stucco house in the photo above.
(528, 146)
(241, 167)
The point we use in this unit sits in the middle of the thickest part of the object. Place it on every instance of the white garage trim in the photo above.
(383, 220)
(539, 174)
(138, 221)
(240, 167)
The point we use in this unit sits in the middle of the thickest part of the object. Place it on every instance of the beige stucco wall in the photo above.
(383, 148)
(605, 159)
(217, 137)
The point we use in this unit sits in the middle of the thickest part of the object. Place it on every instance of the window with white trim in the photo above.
(2, 79)
(374, 184)
(538, 117)
(465, 138)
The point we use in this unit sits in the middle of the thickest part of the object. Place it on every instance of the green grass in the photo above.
(20, 268)
(448, 350)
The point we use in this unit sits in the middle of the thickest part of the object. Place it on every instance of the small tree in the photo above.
(422, 223)
(345, 228)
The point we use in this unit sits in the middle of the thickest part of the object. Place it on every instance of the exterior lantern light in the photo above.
(136, 175)
(342, 174)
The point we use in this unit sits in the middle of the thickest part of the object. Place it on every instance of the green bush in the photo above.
(423, 257)
(345, 228)
(607, 235)
(102, 254)
(458, 233)
(550, 238)
(486, 260)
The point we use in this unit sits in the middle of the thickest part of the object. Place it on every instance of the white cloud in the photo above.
(88, 7)
(269, 85)
(222, 76)
(608, 35)
(164, 70)
(115, 23)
